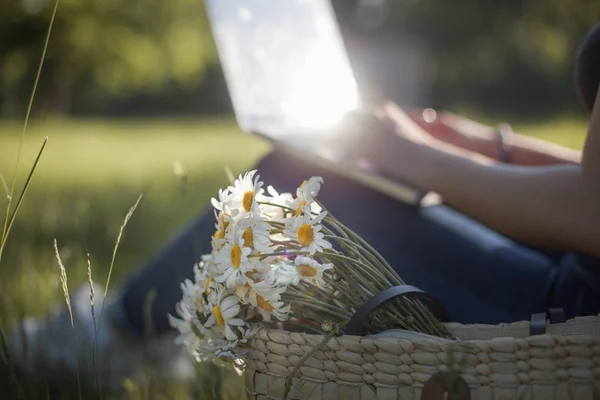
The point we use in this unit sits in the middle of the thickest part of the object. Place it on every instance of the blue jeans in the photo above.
(478, 275)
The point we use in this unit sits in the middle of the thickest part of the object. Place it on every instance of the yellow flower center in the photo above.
(248, 238)
(219, 234)
(299, 209)
(236, 255)
(224, 222)
(305, 234)
(262, 303)
(206, 285)
(248, 200)
(306, 270)
(218, 315)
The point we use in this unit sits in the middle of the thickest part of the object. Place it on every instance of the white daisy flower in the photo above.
(275, 213)
(230, 359)
(309, 189)
(245, 192)
(284, 273)
(309, 270)
(205, 259)
(246, 332)
(256, 233)
(223, 220)
(200, 272)
(221, 202)
(275, 308)
(208, 264)
(307, 232)
(232, 261)
(301, 205)
(266, 300)
(214, 341)
(255, 282)
(305, 197)
(221, 229)
(191, 332)
(224, 358)
(193, 299)
(225, 315)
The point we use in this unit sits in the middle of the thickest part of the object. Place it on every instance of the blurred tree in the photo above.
(511, 56)
(119, 57)
(101, 49)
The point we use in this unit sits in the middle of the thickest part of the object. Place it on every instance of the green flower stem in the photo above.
(311, 317)
(266, 203)
(364, 289)
(421, 315)
(363, 252)
(311, 301)
(355, 293)
(291, 243)
(424, 321)
(371, 274)
(356, 252)
(283, 253)
(342, 290)
(370, 252)
(323, 313)
(367, 246)
(344, 241)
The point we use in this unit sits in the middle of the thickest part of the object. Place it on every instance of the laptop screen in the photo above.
(285, 64)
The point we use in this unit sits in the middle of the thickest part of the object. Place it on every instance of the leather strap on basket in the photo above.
(538, 324)
(356, 324)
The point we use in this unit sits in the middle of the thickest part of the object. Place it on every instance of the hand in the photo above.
(464, 133)
(390, 142)
(385, 140)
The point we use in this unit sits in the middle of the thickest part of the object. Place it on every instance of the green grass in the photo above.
(91, 174)
(568, 132)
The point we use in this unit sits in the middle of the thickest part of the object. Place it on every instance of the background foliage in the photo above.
(117, 57)
(150, 58)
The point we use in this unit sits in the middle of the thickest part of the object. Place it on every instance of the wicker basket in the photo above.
(489, 362)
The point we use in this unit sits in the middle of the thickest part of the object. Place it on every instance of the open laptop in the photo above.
(290, 80)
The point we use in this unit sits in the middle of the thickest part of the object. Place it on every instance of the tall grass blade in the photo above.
(114, 255)
(47, 389)
(95, 345)
(12, 218)
(65, 288)
(6, 356)
(229, 174)
(5, 187)
(6, 227)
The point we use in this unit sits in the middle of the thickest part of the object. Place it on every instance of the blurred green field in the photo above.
(93, 171)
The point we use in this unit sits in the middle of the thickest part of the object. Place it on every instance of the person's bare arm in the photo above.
(552, 206)
(483, 139)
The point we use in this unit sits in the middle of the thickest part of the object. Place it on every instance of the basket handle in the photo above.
(356, 324)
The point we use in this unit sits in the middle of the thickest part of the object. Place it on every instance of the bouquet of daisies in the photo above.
(280, 258)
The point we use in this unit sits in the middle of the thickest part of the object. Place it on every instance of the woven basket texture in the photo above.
(563, 364)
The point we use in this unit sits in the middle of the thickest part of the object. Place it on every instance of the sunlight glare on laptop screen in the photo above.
(320, 93)
(285, 63)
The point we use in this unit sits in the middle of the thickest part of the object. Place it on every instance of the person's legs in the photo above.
(477, 274)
